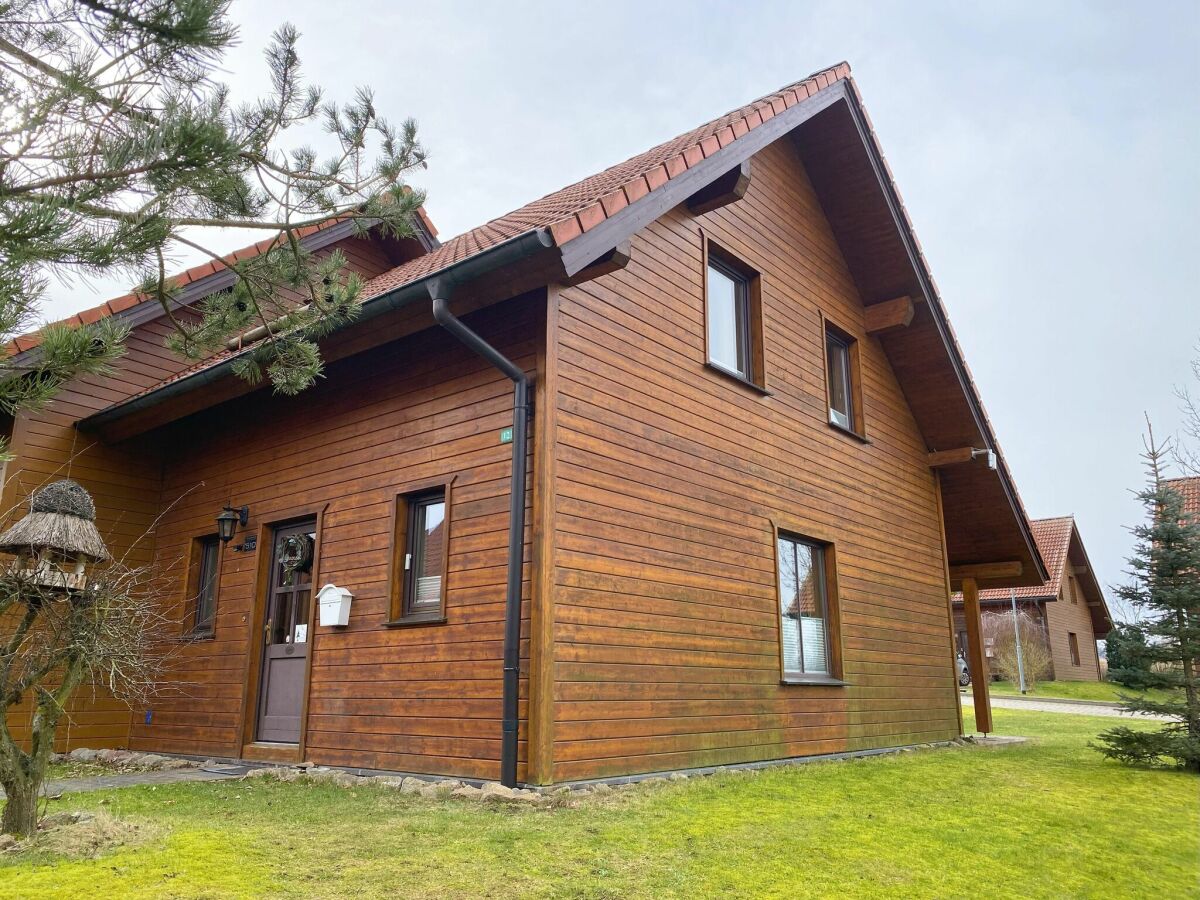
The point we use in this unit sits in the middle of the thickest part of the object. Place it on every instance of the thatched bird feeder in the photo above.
(56, 541)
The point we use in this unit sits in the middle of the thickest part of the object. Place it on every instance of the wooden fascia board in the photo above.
(579, 252)
(1097, 600)
(938, 314)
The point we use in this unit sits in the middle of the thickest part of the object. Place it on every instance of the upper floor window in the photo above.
(421, 548)
(728, 319)
(806, 632)
(204, 587)
(732, 316)
(841, 373)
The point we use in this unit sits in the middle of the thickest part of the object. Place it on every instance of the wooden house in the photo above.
(699, 447)
(1069, 605)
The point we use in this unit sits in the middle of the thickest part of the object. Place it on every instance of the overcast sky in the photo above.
(1047, 154)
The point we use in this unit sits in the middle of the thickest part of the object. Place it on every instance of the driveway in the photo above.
(1077, 707)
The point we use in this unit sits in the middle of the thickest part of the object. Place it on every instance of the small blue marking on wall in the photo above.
(506, 435)
(149, 715)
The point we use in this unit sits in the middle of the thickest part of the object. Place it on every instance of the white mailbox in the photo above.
(334, 605)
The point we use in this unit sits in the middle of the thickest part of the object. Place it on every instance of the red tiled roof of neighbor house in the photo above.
(1190, 489)
(571, 211)
(1053, 537)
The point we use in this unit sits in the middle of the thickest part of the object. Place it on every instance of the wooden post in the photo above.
(976, 660)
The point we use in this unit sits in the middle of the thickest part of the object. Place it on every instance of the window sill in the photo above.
(415, 621)
(739, 378)
(824, 680)
(195, 637)
(842, 429)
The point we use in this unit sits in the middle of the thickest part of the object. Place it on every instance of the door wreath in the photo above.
(295, 554)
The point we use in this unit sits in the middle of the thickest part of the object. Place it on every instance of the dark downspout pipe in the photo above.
(516, 525)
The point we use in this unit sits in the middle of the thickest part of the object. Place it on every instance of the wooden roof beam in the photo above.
(940, 458)
(615, 259)
(890, 315)
(728, 188)
(987, 571)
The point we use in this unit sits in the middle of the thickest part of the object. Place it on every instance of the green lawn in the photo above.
(1050, 819)
(1072, 690)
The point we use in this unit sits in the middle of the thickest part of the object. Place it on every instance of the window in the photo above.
(728, 319)
(808, 642)
(1073, 643)
(731, 295)
(419, 568)
(841, 366)
(204, 585)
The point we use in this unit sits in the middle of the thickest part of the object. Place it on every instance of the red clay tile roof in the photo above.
(120, 304)
(1053, 537)
(575, 209)
(1190, 489)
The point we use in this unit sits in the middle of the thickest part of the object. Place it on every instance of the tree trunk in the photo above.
(20, 807)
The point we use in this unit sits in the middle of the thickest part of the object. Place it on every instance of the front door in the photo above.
(285, 652)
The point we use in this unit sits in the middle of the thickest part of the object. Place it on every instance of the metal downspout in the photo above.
(516, 527)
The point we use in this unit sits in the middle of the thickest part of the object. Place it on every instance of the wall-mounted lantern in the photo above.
(228, 521)
(56, 541)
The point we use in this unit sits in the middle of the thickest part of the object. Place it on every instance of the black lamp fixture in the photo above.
(228, 521)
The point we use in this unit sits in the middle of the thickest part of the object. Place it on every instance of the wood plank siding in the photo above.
(651, 634)
(1070, 615)
(669, 477)
(421, 409)
(125, 481)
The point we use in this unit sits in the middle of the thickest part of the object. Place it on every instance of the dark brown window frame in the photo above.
(857, 427)
(803, 532)
(400, 588)
(732, 266)
(201, 547)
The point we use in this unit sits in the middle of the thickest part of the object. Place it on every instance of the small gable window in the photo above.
(842, 380)
(728, 319)
(731, 312)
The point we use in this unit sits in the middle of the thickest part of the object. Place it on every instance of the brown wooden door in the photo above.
(286, 636)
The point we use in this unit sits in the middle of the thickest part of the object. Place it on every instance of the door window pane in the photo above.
(803, 607)
(728, 320)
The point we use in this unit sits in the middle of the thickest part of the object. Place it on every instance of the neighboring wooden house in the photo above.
(755, 463)
(1069, 605)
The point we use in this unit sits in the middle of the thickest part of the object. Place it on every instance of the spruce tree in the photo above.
(1165, 589)
(120, 147)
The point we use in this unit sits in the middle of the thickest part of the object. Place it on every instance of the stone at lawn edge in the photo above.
(7, 842)
(83, 754)
(412, 785)
(466, 792)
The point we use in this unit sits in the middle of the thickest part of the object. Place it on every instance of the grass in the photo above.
(1074, 690)
(1048, 819)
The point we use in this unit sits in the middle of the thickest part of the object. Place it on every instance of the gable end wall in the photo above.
(668, 477)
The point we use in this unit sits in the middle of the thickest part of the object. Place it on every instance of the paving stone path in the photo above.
(1061, 706)
(132, 779)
